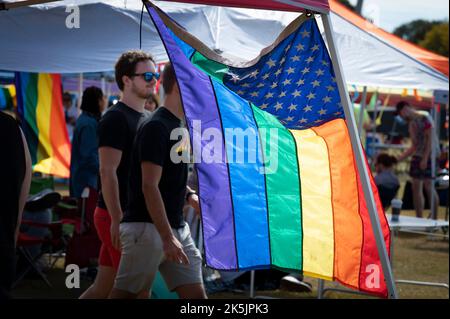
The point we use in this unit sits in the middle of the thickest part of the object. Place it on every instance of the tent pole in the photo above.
(357, 148)
(320, 287)
(80, 91)
(252, 284)
(362, 109)
(433, 155)
(107, 93)
(13, 5)
(103, 83)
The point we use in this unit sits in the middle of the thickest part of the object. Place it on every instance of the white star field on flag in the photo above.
(295, 81)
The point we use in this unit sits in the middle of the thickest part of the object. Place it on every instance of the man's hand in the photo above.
(423, 164)
(109, 162)
(173, 250)
(115, 234)
(194, 202)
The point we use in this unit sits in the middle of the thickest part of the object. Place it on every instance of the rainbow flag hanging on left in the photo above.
(7, 97)
(39, 104)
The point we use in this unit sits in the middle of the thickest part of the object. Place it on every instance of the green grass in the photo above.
(416, 257)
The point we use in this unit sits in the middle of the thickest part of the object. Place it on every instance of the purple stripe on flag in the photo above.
(199, 104)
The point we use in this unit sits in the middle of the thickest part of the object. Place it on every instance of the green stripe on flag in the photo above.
(283, 185)
(213, 68)
(8, 98)
(30, 100)
(283, 191)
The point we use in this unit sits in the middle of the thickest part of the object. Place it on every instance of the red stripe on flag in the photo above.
(371, 276)
(59, 137)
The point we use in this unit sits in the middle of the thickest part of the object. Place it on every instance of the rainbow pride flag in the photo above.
(39, 104)
(298, 204)
(7, 97)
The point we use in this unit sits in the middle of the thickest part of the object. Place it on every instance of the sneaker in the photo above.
(290, 283)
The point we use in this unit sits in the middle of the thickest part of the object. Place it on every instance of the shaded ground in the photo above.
(416, 257)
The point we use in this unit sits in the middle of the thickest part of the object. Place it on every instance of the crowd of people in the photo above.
(139, 239)
(122, 155)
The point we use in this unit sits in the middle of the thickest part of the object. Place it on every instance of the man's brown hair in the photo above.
(399, 107)
(168, 78)
(126, 65)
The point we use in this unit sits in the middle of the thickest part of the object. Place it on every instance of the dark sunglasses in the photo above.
(148, 76)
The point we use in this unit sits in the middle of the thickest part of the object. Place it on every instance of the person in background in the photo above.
(421, 131)
(386, 180)
(136, 78)
(152, 103)
(15, 177)
(84, 164)
(367, 123)
(70, 113)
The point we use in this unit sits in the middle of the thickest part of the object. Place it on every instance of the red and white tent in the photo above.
(321, 6)
(314, 6)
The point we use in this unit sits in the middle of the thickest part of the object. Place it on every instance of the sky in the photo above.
(389, 14)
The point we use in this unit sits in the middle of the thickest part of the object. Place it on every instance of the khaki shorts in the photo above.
(143, 255)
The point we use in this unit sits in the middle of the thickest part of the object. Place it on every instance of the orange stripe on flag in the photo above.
(347, 222)
(58, 132)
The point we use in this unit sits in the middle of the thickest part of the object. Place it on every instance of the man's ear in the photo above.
(125, 80)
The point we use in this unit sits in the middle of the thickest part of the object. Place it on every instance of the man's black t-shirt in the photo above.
(12, 173)
(117, 129)
(153, 144)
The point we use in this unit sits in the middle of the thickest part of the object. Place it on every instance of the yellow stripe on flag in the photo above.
(43, 109)
(317, 211)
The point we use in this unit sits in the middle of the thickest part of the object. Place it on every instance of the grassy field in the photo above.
(416, 257)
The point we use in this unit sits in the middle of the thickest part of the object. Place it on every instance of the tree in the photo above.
(415, 31)
(359, 6)
(436, 39)
(347, 4)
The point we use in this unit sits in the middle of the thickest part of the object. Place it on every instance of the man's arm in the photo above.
(25, 184)
(193, 199)
(427, 151)
(151, 175)
(412, 148)
(109, 162)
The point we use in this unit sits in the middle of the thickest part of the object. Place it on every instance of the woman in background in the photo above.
(152, 103)
(84, 164)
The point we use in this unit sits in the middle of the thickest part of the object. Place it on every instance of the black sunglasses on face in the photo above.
(148, 76)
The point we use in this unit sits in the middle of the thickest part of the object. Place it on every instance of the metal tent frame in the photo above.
(351, 123)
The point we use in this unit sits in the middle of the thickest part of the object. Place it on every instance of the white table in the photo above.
(422, 226)
(408, 223)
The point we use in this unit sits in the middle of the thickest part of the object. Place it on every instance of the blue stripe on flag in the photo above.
(247, 183)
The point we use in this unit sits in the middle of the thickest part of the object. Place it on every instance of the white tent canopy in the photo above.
(36, 39)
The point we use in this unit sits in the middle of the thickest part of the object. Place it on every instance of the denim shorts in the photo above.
(416, 172)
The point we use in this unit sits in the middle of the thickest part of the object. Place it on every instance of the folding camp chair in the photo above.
(39, 235)
(47, 244)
